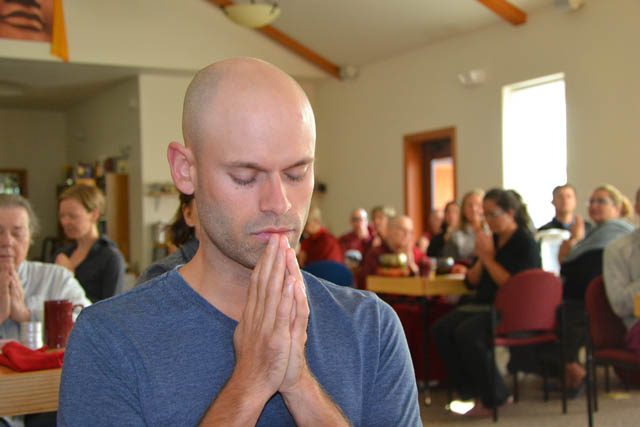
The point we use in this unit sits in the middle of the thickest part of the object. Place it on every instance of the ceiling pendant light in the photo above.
(252, 15)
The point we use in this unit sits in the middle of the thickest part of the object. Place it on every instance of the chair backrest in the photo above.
(332, 271)
(528, 302)
(605, 328)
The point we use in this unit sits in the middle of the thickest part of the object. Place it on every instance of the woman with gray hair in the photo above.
(25, 285)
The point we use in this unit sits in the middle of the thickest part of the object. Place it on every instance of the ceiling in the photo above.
(357, 32)
(346, 33)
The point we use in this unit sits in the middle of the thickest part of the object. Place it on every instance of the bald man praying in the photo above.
(239, 335)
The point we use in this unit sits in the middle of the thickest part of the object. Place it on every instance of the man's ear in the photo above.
(182, 165)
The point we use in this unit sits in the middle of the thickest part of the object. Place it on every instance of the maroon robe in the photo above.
(321, 246)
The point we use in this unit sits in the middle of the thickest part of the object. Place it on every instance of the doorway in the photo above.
(429, 173)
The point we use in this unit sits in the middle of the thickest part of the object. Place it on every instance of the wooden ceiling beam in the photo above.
(292, 45)
(506, 11)
(301, 50)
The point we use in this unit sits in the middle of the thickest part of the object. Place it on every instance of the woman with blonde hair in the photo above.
(462, 241)
(93, 258)
(581, 261)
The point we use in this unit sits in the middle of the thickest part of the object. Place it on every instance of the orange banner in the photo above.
(59, 33)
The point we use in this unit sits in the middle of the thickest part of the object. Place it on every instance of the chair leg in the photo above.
(563, 357)
(607, 384)
(594, 376)
(516, 390)
(589, 385)
(545, 382)
(492, 355)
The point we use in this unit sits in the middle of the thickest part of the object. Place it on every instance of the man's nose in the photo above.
(274, 197)
(5, 238)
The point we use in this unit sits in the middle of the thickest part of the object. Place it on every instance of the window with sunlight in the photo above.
(534, 142)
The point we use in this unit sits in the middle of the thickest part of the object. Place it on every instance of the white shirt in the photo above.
(621, 270)
(42, 282)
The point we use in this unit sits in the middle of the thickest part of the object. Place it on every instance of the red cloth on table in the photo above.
(321, 246)
(20, 358)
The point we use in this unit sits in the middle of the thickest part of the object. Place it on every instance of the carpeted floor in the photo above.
(618, 408)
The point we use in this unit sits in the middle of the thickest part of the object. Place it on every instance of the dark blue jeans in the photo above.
(463, 338)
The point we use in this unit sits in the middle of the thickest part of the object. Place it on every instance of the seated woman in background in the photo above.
(581, 261)
(380, 217)
(94, 259)
(462, 336)
(461, 245)
(182, 233)
(450, 223)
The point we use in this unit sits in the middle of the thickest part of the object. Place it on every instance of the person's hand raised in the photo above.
(12, 294)
(485, 249)
(5, 294)
(297, 367)
(578, 229)
(262, 339)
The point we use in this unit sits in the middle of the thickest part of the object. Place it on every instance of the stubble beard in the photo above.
(242, 248)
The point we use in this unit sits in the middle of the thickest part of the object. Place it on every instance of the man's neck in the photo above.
(564, 218)
(221, 281)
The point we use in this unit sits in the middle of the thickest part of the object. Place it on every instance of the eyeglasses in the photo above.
(600, 201)
(493, 215)
(357, 219)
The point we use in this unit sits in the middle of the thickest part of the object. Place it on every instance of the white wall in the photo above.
(161, 99)
(108, 125)
(361, 123)
(35, 140)
(156, 34)
(105, 125)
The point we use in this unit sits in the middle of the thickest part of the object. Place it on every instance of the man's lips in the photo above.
(266, 233)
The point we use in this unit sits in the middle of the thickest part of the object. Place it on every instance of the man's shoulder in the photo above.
(141, 300)
(554, 223)
(328, 296)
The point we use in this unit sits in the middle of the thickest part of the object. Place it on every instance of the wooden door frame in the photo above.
(414, 203)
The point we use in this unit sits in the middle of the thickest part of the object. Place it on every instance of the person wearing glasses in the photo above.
(462, 336)
(581, 260)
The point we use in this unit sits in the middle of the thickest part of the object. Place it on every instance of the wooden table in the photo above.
(419, 288)
(636, 305)
(447, 284)
(28, 392)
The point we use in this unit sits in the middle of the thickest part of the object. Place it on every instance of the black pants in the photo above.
(463, 338)
(44, 419)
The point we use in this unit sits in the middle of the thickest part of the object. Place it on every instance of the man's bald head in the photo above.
(233, 87)
(248, 157)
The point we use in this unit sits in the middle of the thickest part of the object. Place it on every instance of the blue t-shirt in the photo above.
(160, 354)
